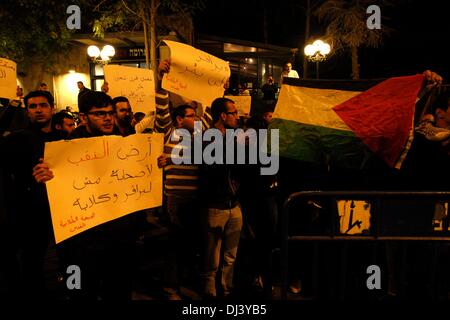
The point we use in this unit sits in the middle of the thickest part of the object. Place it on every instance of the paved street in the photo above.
(148, 284)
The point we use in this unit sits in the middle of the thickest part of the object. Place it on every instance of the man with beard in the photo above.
(105, 254)
(63, 122)
(222, 219)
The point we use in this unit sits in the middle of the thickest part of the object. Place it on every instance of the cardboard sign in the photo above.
(134, 83)
(8, 79)
(195, 74)
(100, 179)
(354, 216)
(242, 103)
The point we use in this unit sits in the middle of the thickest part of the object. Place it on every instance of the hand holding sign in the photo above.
(164, 67)
(41, 172)
(100, 179)
(195, 74)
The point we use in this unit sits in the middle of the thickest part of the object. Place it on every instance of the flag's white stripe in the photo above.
(312, 106)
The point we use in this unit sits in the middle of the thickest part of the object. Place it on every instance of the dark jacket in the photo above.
(253, 184)
(81, 94)
(269, 91)
(218, 184)
(27, 202)
(80, 132)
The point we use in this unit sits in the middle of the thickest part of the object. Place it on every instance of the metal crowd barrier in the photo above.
(375, 197)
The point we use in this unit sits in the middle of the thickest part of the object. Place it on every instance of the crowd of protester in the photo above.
(222, 219)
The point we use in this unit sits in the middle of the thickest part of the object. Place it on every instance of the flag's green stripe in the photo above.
(320, 145)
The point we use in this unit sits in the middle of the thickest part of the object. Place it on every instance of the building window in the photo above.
(98, 76)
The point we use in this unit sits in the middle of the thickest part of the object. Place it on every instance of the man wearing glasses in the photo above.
(104, 253)
(181, 190)
(28, 215)
(96, 108)
(222, 221)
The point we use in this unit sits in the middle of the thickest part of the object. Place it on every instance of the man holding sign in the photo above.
(104, 253)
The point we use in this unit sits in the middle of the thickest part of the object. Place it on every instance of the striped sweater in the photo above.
(180, 180)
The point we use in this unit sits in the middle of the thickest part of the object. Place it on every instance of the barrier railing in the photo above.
(375, 198)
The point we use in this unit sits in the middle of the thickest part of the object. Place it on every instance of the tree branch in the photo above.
(97, 7)
(129, 9)
(136, 26)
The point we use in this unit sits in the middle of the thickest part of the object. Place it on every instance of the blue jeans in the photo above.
(220, 228)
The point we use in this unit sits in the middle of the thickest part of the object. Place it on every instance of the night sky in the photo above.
(419, 40)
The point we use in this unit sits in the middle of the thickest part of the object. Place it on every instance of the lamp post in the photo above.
(103, 56)
(317, 52)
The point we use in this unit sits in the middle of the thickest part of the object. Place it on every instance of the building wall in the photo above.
(65, 87)
(61, 83)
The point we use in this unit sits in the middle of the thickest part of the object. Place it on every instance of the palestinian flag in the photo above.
(345, 123)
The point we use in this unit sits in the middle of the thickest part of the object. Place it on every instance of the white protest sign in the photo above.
(134, 83)
(195, 74)
(100, 179)
(8, 79)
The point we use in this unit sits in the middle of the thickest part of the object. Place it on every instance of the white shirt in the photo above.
(290, 74)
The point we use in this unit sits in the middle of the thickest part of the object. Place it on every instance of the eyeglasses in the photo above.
(233, 113)
(102, 114)
(35, 105)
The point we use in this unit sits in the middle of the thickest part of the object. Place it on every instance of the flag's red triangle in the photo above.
(382, 117)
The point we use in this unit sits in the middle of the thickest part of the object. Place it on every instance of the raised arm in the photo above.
(432, 77)
(163, 122)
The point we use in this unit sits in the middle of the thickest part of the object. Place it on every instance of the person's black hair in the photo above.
(270, 107)
(180, 111)
(256, 122)
(119, 99)
(58, 118)
(39, 93)
(218, 106)
(93, 99)
(138, 116)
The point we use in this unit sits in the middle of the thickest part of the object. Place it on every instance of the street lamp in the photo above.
(317, 52)
(101, 57)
